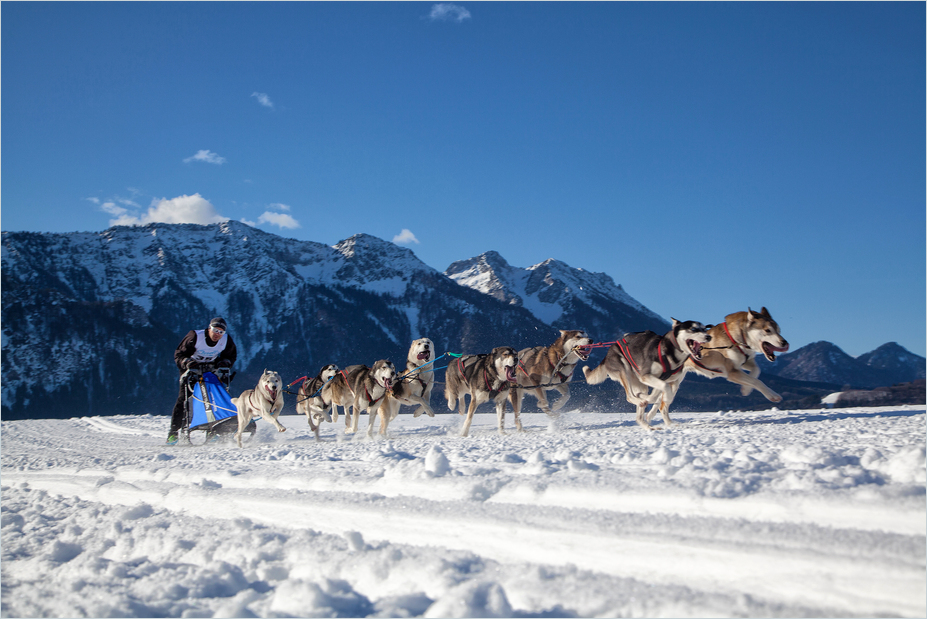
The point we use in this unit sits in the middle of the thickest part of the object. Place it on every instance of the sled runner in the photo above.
(209, 406)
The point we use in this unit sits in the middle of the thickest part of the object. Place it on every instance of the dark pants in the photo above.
(178, 417)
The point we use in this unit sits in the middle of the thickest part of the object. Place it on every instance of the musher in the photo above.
(211, 347)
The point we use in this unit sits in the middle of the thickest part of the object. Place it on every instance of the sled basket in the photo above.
(210, 404)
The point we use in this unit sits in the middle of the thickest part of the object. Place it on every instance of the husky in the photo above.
(340, 392)
(265, 401)
(417, 382)
(370, 386)
(312, 401)
(650, 366)
(544, 368)
(736, 342)
(483, 378)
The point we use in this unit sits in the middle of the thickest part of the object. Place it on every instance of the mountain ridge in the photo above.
(91, 319)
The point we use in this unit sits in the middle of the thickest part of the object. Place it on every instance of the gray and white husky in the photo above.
(312, 401)
(483, 378)
(265, 401)
(370, 386)
(544, 368)
(650, 366)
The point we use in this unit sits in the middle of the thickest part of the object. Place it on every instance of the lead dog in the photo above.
(484, 378)
(650, 366)
(265, 401)
(735, 343)
(544, 368)
(417, 382)
(370, 386)
(312, 400)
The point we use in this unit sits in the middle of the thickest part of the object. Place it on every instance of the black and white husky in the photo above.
(483, 378)
(650, 366)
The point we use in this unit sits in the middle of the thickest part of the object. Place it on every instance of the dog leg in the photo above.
(746, 380)
(244, 417)
(642, 417)
(752, 369)
(597, 375)
(564, 391)
(423, 406)
(465, 431)
(543, 404)
(500, 415)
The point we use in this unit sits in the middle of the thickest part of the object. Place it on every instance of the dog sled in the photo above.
(209, 407)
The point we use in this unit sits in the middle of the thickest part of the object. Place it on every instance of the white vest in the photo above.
(206, 353)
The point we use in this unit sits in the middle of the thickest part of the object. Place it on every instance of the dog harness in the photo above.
(626, 353)
(733, 341)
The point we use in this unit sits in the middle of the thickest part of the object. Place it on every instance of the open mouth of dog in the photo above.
(424, 356)
(583, 352)
(695, 349)
(510, 373)
(272, 391)
(770, 351)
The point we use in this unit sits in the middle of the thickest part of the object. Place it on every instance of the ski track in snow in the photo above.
(776, 513)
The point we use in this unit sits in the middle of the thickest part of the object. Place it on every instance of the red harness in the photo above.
(626, 353)
(733, 341)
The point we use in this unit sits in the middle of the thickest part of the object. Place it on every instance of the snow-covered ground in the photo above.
(775, 513)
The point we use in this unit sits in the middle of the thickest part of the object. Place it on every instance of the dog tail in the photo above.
(597, 375)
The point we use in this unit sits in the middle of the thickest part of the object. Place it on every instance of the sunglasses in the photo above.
(218, 331)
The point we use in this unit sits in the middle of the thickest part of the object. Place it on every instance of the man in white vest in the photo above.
(204, 349)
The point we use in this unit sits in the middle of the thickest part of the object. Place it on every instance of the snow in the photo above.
(773, 513)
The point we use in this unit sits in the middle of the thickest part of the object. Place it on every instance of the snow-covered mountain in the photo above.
(90, 320)
(559, 295)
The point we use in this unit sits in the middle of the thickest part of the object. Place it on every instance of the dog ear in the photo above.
(675, 322)
(765, 312)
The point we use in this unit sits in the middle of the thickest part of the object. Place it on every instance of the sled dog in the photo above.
(370, 386)
(735, 343)
(265, 401)
(650, 366)
(312, 401)
(544, 368)
(483, 378)
(340, 392)
(417, 382)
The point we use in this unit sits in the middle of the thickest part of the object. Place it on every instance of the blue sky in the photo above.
(707, 156)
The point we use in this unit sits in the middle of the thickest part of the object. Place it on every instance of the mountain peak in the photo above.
(556, 293)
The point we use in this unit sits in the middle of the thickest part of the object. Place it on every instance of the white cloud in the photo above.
(281, 220)
(445, 11)
(193, 209)
(263, 99)
(281, 207)
(405, 237)
(113, 209)
(206, 156)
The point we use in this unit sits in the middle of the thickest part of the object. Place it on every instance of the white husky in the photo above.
(265, 401)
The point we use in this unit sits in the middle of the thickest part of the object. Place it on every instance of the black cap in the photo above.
(218, 323)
